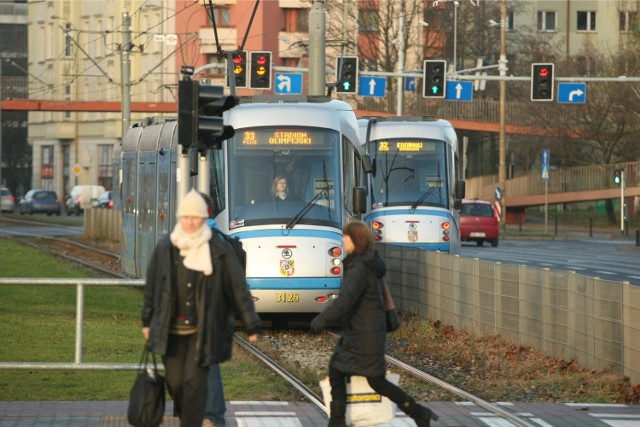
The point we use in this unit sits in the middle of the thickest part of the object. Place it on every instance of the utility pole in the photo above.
(400, 65)
(502, 67)
(622, 200)
(317, 29)
(125, 71)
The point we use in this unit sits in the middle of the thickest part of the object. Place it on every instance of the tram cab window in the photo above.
(408, 171)
(307, 158)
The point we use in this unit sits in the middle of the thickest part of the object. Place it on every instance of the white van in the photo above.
(82, 197)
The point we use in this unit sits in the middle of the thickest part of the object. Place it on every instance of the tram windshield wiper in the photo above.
(422, 198)
(296, 219)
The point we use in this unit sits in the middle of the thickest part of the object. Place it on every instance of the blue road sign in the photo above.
(459, 91)
(288, 83)
(410, 84)
(544, 161)
(572, 93)
(372, 86)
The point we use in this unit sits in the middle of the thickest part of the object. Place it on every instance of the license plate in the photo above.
(287, 297)
(477, 234)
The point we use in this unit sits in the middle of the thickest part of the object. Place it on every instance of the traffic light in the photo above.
(347, 74)
(617, 176)
(542, 82)
(435, 78)
(260, 70)
(200, 109)
(239, 60)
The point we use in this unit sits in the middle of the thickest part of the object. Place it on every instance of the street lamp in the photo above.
(456, 3)
(400, 65)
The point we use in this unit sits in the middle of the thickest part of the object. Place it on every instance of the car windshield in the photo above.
(44, 195)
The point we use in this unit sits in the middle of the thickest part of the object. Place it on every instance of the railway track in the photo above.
(91, 256)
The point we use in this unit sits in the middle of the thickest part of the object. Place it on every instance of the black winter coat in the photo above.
(360, 350)
(219, 298)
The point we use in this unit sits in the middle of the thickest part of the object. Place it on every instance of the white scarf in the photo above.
(194, 248)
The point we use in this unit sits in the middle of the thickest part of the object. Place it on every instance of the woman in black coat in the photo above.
(195, 287)
(360, 350)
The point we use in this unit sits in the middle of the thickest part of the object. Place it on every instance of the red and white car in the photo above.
(479, 222)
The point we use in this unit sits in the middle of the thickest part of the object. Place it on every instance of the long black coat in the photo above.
(360, 350)
(219, 298)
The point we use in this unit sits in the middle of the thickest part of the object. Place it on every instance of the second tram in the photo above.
(415, 192)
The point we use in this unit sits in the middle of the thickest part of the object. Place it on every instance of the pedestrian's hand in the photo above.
(145, 332)
(316, 325)
(253, 338)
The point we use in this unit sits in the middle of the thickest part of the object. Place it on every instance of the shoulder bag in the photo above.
(393, 321)
(147, 397)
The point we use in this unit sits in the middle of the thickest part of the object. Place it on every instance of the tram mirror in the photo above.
(193, 162)
(461, 189)
(359, 200)
(366, 163)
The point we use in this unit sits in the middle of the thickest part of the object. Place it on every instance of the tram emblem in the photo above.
(287, 267)
(412, 233)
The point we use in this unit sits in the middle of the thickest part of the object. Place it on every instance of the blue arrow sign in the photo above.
(572, 93)
(459, 91)
(372, 86)
(288, 83)
(410, 84)
(545, 163)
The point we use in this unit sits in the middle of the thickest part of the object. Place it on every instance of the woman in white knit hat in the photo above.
(195, 288)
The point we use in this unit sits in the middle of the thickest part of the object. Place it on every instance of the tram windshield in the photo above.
(409, 172)
(275, 172)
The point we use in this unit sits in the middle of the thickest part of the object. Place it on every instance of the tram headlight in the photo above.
(445, 225)
(336, 262)
(377, 225)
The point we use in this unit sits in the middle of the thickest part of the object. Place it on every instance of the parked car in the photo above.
(82, 197)
(104, 201)
(40, 201)
(7, 201)
(479, 222)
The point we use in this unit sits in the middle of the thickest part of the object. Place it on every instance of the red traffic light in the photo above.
(238, 58)
(262, 59)
(543, 72)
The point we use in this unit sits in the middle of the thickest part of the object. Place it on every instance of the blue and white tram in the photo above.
(294, 248)
(414, 187)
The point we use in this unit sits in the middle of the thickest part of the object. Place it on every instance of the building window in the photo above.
(547, 20)
(67, 97)
(296, 20)
(105, 166)
(510, 21)
(586, 21)
(628, 21)
(222, 15)
(368, 20)
(67, 40)
(46, 167)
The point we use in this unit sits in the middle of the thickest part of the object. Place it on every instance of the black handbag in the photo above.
(147, 397)
(393, 321)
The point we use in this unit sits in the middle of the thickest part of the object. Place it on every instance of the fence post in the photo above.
(79, 320)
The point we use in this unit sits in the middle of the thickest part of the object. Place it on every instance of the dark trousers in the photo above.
(186, 380)
(380, 384)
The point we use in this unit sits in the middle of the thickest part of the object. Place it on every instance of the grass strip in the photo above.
(37, 324)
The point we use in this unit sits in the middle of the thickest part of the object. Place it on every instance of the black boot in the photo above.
(338, 410)
(420, 414)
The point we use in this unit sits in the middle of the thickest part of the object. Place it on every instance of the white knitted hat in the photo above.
(193, 205)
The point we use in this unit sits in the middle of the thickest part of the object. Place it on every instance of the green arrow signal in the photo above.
(435, 89)
(346, 85)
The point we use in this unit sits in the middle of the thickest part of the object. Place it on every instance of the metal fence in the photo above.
(562, 314)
